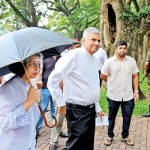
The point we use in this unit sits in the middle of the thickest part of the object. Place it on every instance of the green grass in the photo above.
(141, 106)
(143, 85)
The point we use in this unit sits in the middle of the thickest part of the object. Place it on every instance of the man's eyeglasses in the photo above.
(34, 65)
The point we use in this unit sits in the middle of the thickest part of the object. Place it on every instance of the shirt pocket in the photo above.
(128, 70)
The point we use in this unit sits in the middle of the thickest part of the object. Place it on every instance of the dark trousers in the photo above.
(81, 127)
(127, 109)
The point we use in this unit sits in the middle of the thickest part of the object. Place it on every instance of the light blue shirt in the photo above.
(17, 127)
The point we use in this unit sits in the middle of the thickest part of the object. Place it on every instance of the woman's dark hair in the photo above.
(18, 69)
(121, 42)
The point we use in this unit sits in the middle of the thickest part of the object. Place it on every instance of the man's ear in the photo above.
(83, 40)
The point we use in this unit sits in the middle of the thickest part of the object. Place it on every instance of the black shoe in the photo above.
(53, 147)
(64, 149)
(63, 135)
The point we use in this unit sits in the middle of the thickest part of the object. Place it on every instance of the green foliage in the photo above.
(60, 23)
(134, 18)
(141, 107)
(143, 85)
(103, 100)
(127, 14)
(21, 17)
(6, 19)
(65, 17)
(9, 19)
(145, 13)
(87, 14)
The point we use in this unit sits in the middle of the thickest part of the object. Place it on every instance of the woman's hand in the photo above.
(33, 96)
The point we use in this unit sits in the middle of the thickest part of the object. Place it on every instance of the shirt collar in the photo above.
(90, 57)
(116, 59)
(86, 51)
(22, 82)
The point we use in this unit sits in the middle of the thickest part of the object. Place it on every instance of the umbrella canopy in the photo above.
(18, 45)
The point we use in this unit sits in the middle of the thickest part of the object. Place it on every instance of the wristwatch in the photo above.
(136, 91)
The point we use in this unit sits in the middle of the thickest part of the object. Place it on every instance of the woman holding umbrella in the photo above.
(19, 112)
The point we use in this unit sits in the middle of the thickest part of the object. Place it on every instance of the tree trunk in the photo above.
(110, 26)
(32, 13)
(113, 29)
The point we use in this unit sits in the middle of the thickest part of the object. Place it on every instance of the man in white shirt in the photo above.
(121, 74)
(81, 91)
(5, 78)
(101, 57)
(56, 131)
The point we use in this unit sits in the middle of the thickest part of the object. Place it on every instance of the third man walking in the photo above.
(121, 74)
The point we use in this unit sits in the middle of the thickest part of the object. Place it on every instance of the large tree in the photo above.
(125, 19)
(128, 20)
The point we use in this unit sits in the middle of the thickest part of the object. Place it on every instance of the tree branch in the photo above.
(77, 4)
(64, 8)
(27, 22)
(128, 2)
(93, 21)
(136, 5)
(43, 1)
(63, 3)
(32, 12)
(79, 23)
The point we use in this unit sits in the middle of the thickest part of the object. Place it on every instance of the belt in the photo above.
(80, 106)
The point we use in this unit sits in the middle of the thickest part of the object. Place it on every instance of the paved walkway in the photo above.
(139, 132)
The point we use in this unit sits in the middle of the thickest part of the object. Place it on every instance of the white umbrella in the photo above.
(18, 45)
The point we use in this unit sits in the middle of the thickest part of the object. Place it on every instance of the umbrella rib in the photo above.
(13, 35)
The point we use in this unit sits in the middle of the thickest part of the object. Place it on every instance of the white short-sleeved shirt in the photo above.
(119, 77)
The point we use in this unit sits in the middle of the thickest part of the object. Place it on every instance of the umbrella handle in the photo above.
(44, 118)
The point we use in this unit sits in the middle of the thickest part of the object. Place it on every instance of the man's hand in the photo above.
(62, 110)
(146, 67)
(101, 114)
(61, 85)
(136, 96)
(145, 73)
(39, 84)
